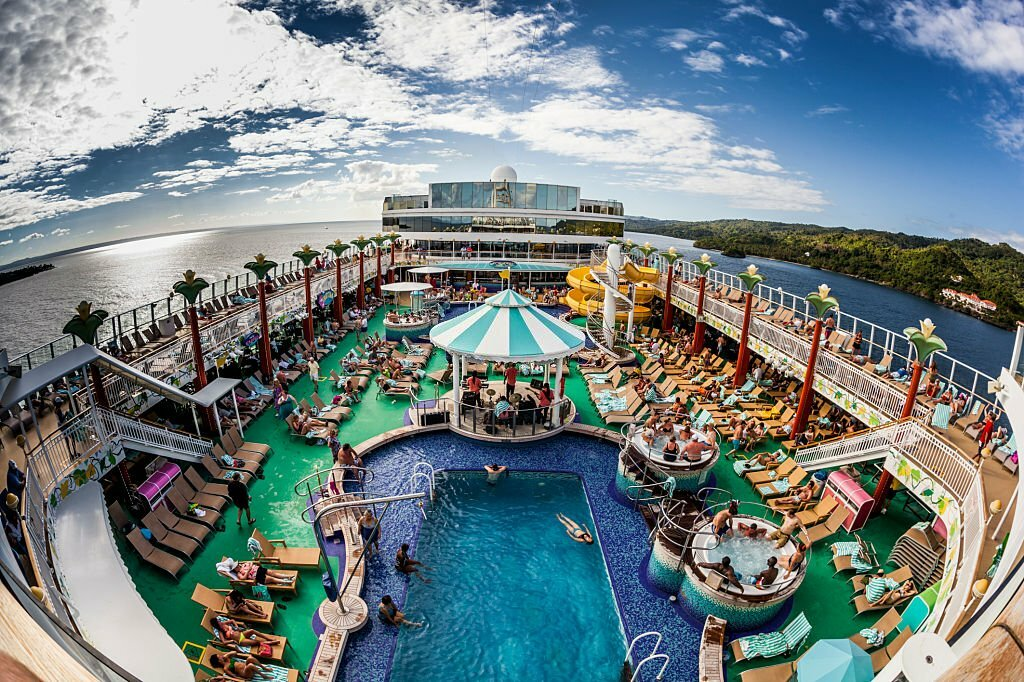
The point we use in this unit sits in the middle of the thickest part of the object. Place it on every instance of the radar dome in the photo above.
(503, 174)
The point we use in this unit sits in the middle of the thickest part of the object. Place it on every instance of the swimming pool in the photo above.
(512, 597)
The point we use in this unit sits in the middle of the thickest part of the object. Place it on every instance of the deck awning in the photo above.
(67, 363)
(508, 328)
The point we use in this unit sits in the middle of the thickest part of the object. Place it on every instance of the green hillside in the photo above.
(918, 265)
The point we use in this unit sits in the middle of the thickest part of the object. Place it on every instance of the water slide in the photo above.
(108, 610)
(586, 294)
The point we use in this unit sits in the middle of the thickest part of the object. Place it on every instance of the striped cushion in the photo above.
(877, 587)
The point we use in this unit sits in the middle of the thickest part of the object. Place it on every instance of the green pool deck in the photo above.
(277, 509)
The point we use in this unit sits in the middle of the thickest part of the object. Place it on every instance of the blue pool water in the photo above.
(512, 597)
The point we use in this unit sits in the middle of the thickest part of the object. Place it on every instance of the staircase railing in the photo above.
(135, 430)
(652, 656)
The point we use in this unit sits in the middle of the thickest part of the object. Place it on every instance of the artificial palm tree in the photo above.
(361, 244)
(823, 302)
(307, 256)
(750, 278)
(338, 247)
(190, 287)
(703, 265)
(379, 240)
(392, 237)
(646, 249)
(84, 326)
(261, 267)
(670, 257)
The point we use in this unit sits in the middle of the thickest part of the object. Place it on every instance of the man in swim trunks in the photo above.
(789, 525)
(768, 575)
(752, 531)
(725, 568)
(494, 471)
(722, 522)
(694, 450)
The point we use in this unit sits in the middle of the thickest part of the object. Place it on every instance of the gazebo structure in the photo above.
(508, 328)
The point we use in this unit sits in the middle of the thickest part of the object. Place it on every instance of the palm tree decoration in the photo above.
(338, 247)
(261, 267)
(361, 243)
(379, 240)
(392, 237)
(670, 257)
(823, 302)
(750, 278)
(84, 326)
(190, 287)
(307, 255)
(647, 250)
(925, 345)
(613, 240)
(703, 265)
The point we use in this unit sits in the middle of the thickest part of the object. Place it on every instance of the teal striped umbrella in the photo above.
(508, 327)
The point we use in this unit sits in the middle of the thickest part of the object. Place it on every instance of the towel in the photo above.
(767, 644)
(253, 546)
(872, 637)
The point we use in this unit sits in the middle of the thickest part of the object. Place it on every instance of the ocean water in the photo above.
(512, 597)
(118, 278)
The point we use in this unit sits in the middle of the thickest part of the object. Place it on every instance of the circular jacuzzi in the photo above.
(642, 461)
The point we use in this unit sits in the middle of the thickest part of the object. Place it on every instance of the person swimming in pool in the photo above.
(574, 530)
(494, 471)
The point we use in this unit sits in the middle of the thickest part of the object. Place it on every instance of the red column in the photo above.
(698, 330)
(376, 280)
(803, 410)
(885, 480)
(391, 271)
(339, 309)
(307, 324)
(197, 357)
(265, 366)
(743, 360)
(361, 295)
(666, 317)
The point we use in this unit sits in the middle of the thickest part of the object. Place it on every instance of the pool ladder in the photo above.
(652, 656)
(424, 471)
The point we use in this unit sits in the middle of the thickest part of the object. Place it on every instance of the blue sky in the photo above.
(122, 119)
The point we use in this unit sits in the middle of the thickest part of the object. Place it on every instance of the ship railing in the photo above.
(570, 253)
(479, 418)
(878, 341)
(156, 312)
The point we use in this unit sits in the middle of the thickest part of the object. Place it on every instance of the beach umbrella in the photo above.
(834, 660)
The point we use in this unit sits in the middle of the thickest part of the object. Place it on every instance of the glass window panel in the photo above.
(542, 196)
(552, 202)
(573, 198)
(530, 195)
(563, 198)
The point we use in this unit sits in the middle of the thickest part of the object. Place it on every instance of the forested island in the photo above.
(22, 273)
(918, 265)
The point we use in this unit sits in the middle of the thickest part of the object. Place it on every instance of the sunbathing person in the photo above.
(238, 605)
(574, 530)
(248, 668)
(229, 631)
(765, 460)
(800, 495)
(250, 570)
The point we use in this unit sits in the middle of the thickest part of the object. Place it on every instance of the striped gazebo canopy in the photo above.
(507, 328)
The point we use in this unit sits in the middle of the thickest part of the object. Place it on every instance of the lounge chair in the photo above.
(237, 444)
(215, 601)
(154, 556)
(818, 512)
(830, 526)
(219, 469)
(781, 486)
(180, 506)
(279, 673)
(900, 575)
(785, 467)
(276, 650)
(196, 531)
(201, 486)
(289, 587)
(191, 496)
(335, 413)
(861, 603)
(163, 535)
(780, 672)
(279, 553)
(884, 625)
(769, 644)
(881, 658)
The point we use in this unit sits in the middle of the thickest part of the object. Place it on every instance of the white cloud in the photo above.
(60, 232)
(29, 237)
(178, 194)
(827, 110)
(20, 207)
(833, 16)
(705, 61)
(716, 45)
(7, 242)
(749, 60)
(790, 31)
(176, 215)
(711, 109)
(784, 55)
(679, 38)
(364, 182)
(981, 35)
(1007, 130)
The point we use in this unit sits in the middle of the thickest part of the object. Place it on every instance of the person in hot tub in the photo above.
(725, 568)
(722, 522)
(766, 577)
(752, 531)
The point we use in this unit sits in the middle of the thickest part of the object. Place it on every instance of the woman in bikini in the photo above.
(238, 605)
(229, 631)
(248, 668)
(574, 530)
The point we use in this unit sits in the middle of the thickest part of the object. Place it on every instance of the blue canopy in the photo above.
(835, 660)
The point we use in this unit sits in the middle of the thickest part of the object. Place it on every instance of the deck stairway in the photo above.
(155, 439)
(867, 445)
(605, 334)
